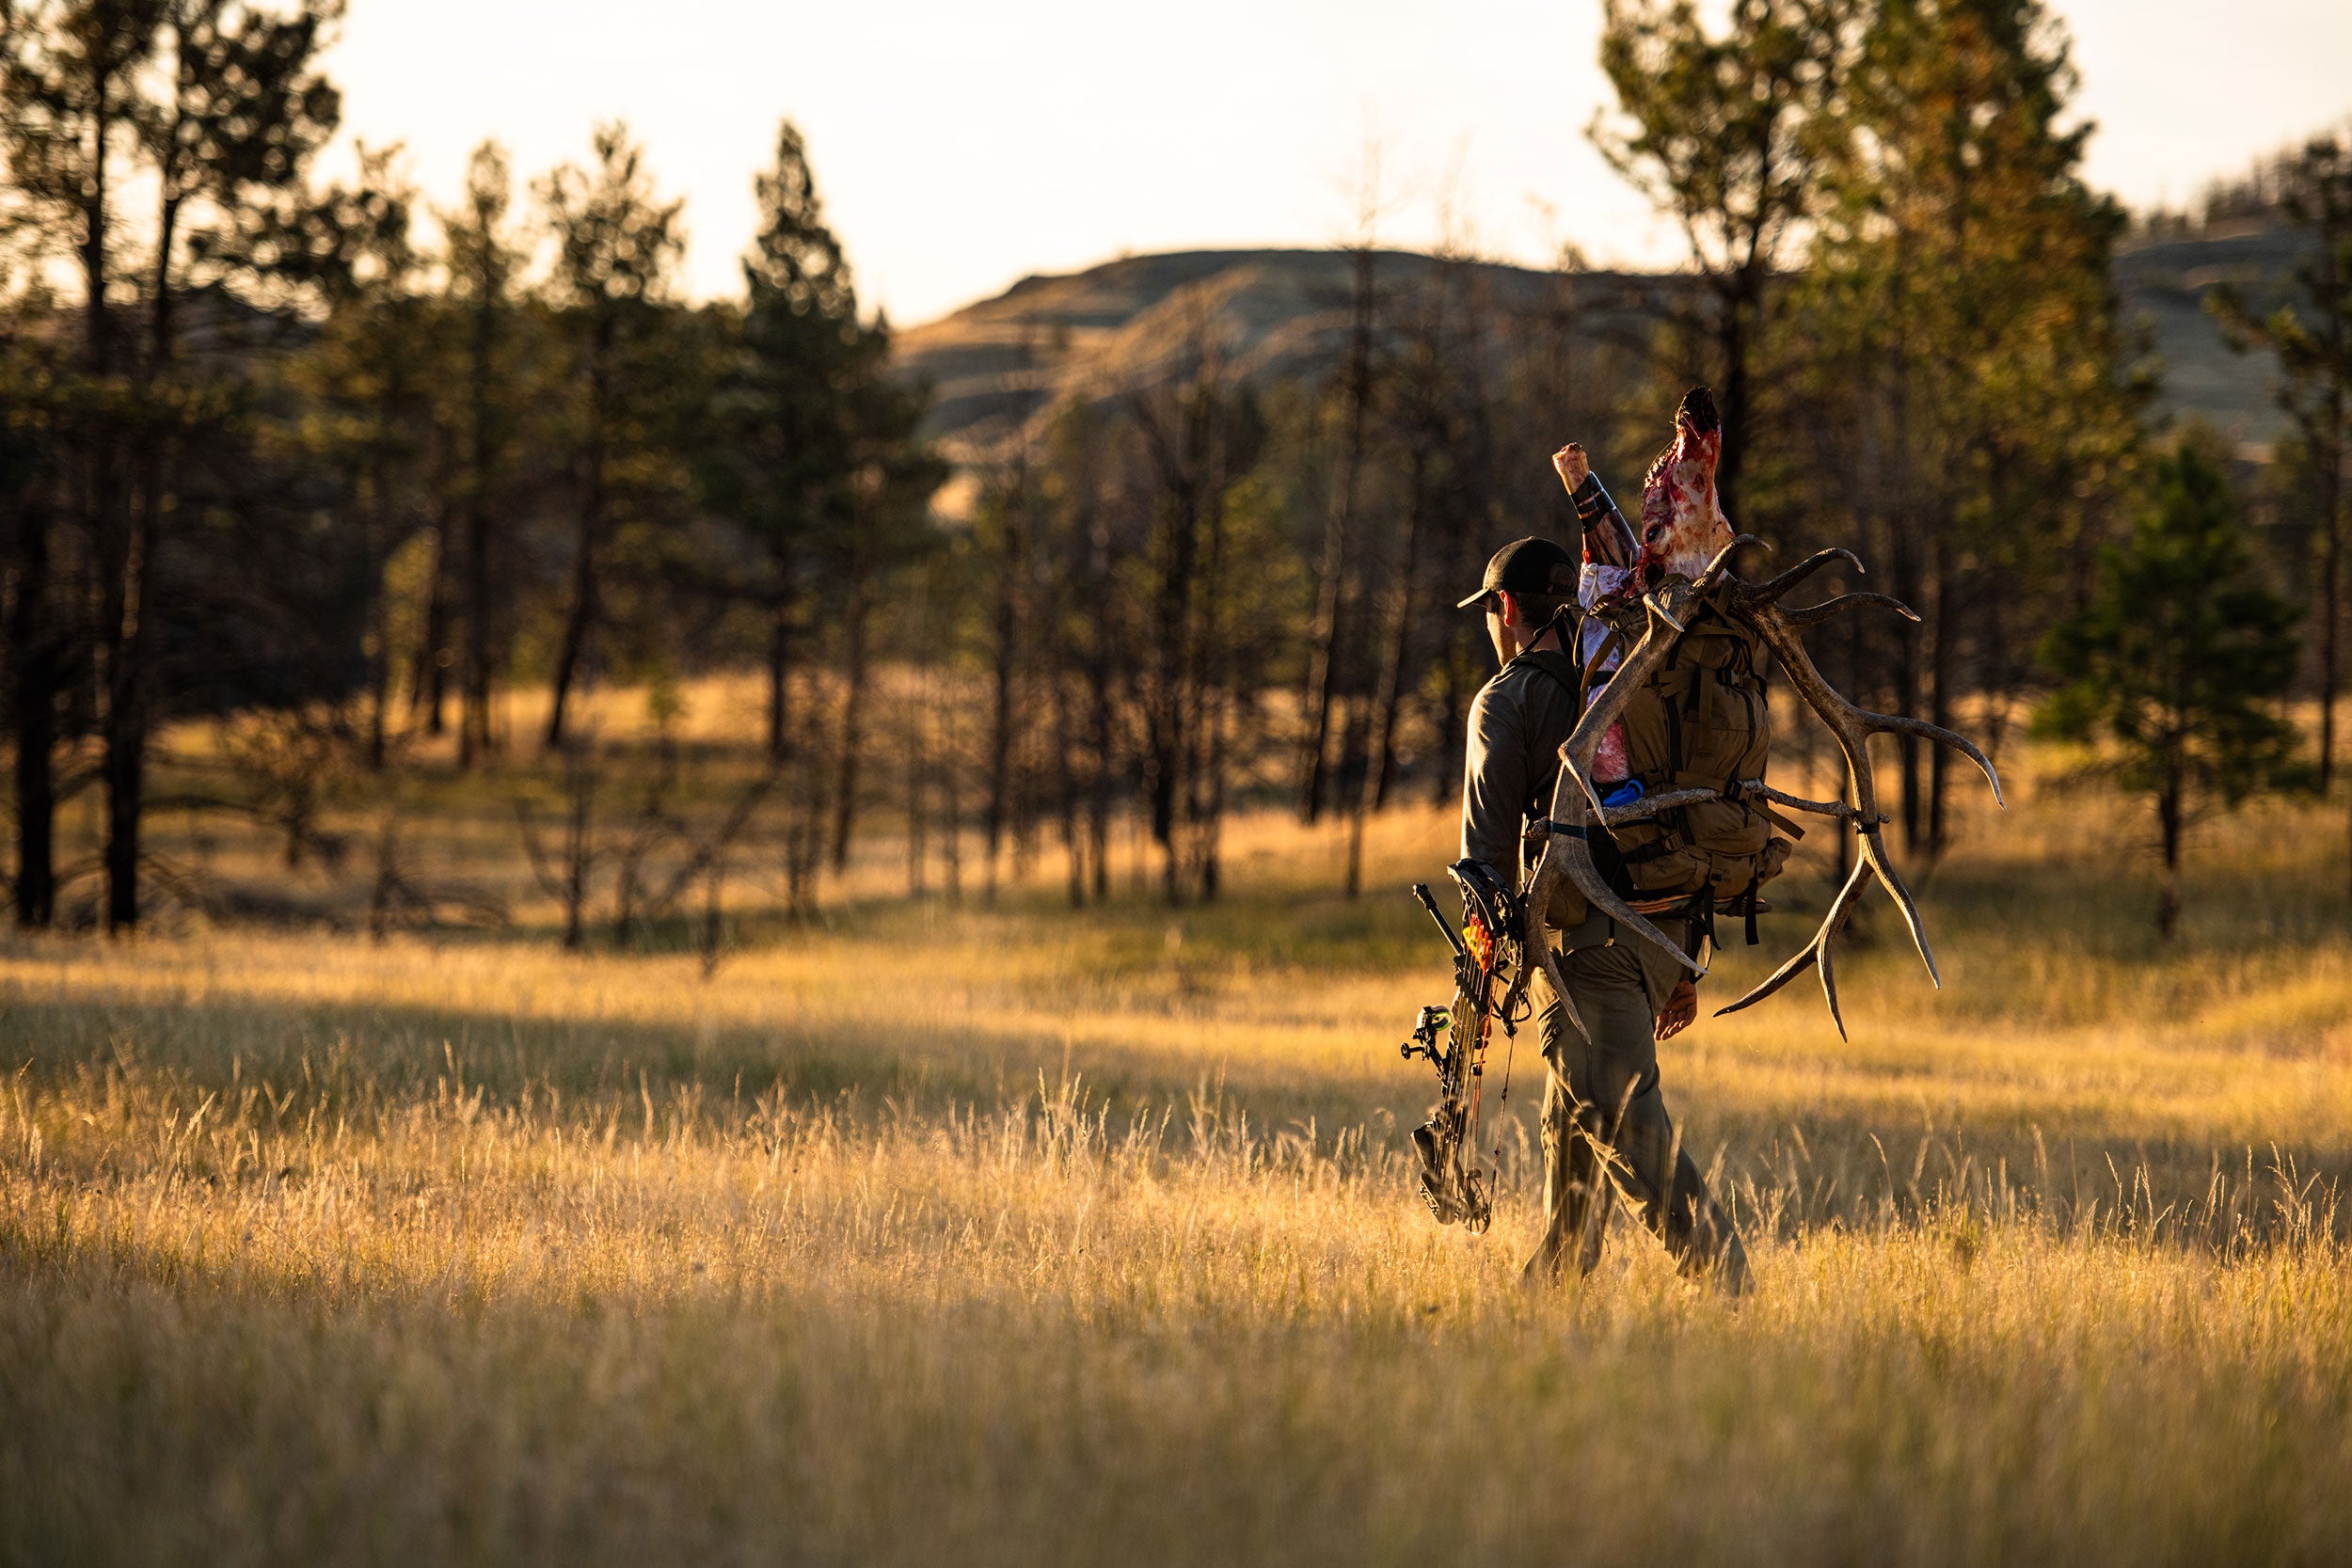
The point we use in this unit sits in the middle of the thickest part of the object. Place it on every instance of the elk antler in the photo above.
(1853, 726)
(1577, 811)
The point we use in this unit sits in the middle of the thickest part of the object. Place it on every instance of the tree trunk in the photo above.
(1394, 656)
(433, 671)
(581, 623)
(473, 735)
(2169, 822)
(33, 652)
(124, 768)
(1169, 736)
(853, 720)
(570, 652)
(918, 770)
(1355, 737)
(779, 683)
(1907, 687)
(1003, 656)
(2330, 615)
(1326, 652)
(951, 805)
(378, 631)
(1940, 660)
(1099, 773)
(1066, 791)
(128, 566)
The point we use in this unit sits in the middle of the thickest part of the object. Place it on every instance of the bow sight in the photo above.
(1486, 958)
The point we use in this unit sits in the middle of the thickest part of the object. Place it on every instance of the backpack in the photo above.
(1702, 722)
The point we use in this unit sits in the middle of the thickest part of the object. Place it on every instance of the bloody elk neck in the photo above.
(1683, 527)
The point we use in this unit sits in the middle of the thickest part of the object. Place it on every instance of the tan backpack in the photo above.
(1702, 722)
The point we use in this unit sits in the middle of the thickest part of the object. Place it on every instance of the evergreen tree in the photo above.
(1724, 133)
(616, 247)
(479, 417)
(2178, 662)
(2312, 339)
(1968, 344)
(367, 402)
(783, 474)
(210, 110)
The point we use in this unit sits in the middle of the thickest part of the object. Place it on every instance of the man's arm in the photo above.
(1494, 784)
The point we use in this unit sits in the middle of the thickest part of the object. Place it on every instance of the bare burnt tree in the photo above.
(1338, 590)
(1198, 434)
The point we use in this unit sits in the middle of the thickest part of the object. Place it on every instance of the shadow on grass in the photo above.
(1820, 1166)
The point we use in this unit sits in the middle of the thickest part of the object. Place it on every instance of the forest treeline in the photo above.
(375, 468)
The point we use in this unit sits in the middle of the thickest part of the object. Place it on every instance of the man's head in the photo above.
(1683, 523)
(1527, 582)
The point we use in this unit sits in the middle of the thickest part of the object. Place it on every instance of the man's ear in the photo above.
(1510, 607)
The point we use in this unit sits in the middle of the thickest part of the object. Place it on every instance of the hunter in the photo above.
(1605, 1124)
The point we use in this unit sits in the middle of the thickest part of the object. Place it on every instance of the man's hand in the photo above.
(1571, 465)
(1680, 1010)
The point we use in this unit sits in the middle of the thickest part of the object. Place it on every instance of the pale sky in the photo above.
(961, 146)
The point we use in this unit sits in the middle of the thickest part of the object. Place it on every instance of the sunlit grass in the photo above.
(935, 1233)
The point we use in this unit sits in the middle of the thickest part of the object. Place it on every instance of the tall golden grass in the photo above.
(1021, 1234)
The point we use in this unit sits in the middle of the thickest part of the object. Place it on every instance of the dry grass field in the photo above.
(943, 1234)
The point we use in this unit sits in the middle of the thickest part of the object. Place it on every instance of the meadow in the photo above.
(982, 1232)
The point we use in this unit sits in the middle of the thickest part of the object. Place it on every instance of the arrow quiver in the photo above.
(1487, 959)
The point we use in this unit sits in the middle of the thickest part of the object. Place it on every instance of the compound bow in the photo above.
(1487, 954)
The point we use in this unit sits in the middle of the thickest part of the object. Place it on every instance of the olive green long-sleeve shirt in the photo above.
(1516, 725)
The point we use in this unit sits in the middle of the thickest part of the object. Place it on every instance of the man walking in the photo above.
(1605, 1123)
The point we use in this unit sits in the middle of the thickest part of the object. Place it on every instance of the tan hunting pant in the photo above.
(1605, 1124)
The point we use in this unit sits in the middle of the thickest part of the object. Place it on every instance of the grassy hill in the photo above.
(1284, 313)
(1279, 313)
(2165, 282)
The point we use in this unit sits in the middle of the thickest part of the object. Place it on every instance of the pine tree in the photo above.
(2177, 664)
(2312, 339)
(1961, 295)
(1722, 132)
(616, 247)
(210, 110)
(783, 471)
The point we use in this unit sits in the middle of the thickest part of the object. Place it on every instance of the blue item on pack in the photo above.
(1622, 794)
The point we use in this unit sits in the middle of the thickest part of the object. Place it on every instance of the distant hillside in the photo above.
(994, 364)
(2165, 282)
(1278, 312)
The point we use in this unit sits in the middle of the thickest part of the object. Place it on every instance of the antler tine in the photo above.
(1890, 723)
(1722, 563)
(1772, 590)
(1813, 615)
(1852, 723)
(1853, 726)
(1815, 952)
(1874, 852)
